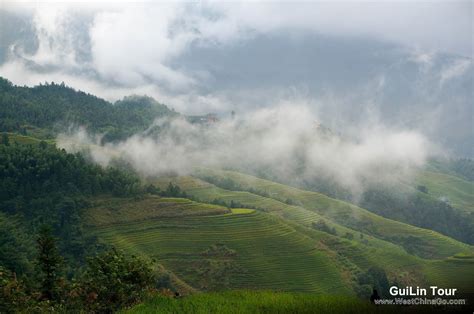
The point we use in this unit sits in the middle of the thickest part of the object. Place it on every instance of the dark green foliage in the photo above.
(152, 189)
(173, 191)
(374, 278)
(290, 201)
(16, 246)
(29, 172)
(5, 139)
(235, 204)
(50, 264)
(420, 210)
(321, 225)
(55, 107)
(113, 281)
(40, 184)
(219, 202)
(422, 189)
(349, 236)
(225, 183)
(110, 282)
(13, 293)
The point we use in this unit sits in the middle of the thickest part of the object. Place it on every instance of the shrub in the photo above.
(113, 281)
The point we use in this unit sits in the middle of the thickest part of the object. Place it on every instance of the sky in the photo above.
(131, 45)
(404, 63)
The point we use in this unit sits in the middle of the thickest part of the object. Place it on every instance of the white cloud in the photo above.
(132, 42)
(131, 45)
(284, 139)
(455, 69)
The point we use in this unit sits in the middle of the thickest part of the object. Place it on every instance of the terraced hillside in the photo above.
(457, 191)
(240, 249)
(275, 244)
(421, 242)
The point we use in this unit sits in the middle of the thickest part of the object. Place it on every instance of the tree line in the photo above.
(55, 107)
(44, 185)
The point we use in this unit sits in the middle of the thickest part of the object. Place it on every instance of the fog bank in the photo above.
(287, 142)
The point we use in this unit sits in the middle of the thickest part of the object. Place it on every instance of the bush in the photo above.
(113, 281)
(321, 225)
(13, 295)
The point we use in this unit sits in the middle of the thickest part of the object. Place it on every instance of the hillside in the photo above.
(450, 188)
(214, 230)
(274, 245)
(241, 249)
(44, 110)
(340, 212)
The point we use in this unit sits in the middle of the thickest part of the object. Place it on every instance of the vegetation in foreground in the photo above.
(263, 302)
(110, 281)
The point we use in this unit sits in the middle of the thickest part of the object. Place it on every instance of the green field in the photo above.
(25, 139)
(251, 250)
(459, 192)
(274, 245)
(258, 302)
(110, 211)
(421, 242)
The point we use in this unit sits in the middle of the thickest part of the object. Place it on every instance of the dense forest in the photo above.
(46, 109)
(48, 262)
(43, 185)
(417, 209)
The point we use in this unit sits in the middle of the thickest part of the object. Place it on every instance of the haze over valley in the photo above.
(195, 157)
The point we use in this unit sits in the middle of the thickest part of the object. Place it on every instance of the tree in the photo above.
(50, 263)
(113, 281)
(43, 145)
(422, 189)
(349, 236)
(13, 296)
(5, 139)
(322, 226)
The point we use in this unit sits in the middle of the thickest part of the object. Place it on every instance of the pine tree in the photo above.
(50, 263)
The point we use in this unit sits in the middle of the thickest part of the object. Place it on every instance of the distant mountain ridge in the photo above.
(46, 109)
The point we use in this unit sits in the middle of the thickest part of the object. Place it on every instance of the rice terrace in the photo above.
(236, 157)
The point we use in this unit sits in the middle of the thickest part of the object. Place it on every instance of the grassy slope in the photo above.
(355, 255)
(25, 139)
(459, 192)
(273, 247)
(258, 302)
(431, 244)
(268, 253)
(109, 211)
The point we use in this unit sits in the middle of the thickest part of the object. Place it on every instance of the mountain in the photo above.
(45, 110)
(277, 237)
(212, 229)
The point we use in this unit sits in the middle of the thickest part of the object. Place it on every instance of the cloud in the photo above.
(285, 141)
(132, 43)
(212, 56)
(455, 69)
(131, 46)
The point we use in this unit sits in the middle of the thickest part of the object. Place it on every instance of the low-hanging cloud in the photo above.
(285, 141)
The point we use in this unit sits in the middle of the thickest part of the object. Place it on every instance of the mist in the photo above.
(286, 142)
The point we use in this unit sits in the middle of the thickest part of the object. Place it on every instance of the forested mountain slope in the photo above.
(47, 109)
